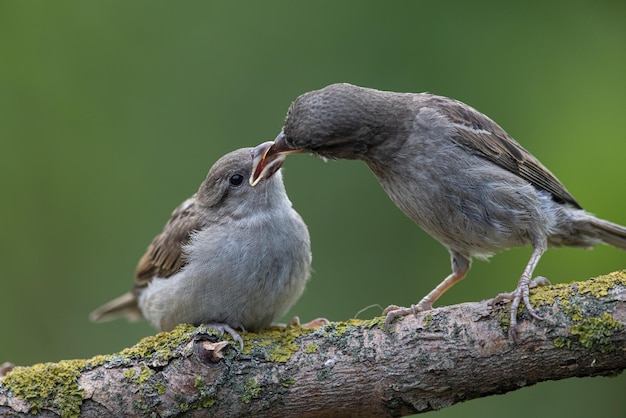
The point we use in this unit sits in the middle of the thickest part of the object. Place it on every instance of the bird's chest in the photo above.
(459, 203)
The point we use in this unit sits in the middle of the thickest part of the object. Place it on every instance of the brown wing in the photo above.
(164, 255)
(484, 137)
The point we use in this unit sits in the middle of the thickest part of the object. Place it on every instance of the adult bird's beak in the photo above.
(268, 157)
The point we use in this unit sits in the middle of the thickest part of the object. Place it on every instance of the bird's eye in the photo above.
(236, 180)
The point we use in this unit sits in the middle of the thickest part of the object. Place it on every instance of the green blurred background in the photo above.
(111, 113)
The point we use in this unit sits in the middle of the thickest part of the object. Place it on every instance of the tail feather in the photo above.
(125, 305)
(610, 233)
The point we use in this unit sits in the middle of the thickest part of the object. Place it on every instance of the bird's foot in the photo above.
(314, 324)
(227, 328)
(295, 321)
(394, 311)
(519, 295)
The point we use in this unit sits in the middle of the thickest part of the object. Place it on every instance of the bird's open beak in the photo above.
(268, 157)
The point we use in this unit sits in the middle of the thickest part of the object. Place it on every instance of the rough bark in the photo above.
(354, 368)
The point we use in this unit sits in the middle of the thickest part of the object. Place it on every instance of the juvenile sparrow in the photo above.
(449, 168)
(231, 256)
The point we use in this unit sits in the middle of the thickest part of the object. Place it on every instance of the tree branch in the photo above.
(353, 368)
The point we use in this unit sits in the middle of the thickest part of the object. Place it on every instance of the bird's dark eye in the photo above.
(236, 180)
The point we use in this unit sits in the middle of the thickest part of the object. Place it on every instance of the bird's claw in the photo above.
(521, 293)
(227, 328)
(315, 324)
(394, 311)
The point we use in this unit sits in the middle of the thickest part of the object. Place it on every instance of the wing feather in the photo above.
(482, 136)
(165, 256)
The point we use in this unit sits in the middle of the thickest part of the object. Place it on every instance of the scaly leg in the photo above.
(522, 292)
(460, 266)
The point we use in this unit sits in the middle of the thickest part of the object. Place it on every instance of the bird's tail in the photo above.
(125, 305)
(609, 233)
